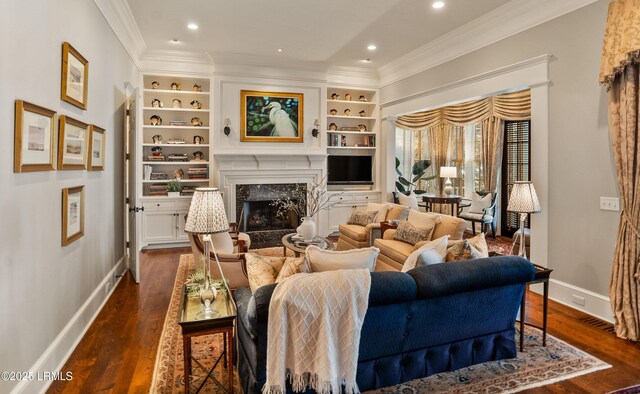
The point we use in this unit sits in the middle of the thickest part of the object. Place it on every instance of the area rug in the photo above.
(537, 366)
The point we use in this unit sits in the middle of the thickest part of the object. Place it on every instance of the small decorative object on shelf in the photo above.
(155, 103)
(155, 85)
(177, 103)
(157, 139)
(196, 104)
(350, 128)
(178, 174)
(173, 188)
(155, 120)
(343, 140)
(347, 112)
(176, 141)
(181, 123)
(197, 87)
(198, 139)
(178, 157)
(333, 111)
(176, 86)
(372, 140)
(362, 127)
(362, 98)
(155, 176)
(362, 113)
(335, 96)
(156, 154)
(198, 157)
(347, 96)
(333, 127)
(195, 121)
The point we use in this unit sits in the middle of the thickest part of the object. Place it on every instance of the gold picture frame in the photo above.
(96, 159)
(75, 77)
(284, 121)
(72, 214)
(34, 143)
(72, 144)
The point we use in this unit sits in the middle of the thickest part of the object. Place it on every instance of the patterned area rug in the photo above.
(536, 366)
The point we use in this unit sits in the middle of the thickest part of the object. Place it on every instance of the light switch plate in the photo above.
(609, 203)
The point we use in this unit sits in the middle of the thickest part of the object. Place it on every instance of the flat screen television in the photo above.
(350, 170)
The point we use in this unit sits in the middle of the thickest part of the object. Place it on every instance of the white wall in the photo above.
(46, 289)
(581, 237)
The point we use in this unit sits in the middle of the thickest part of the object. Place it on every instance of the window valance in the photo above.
(621, 39)
(510, 106)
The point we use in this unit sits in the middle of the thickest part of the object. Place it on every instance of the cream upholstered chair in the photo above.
(393, 253)
(482, 209)
(230, 248)
(353, 236)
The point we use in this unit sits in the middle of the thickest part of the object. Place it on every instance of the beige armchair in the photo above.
(230, 248)
(353, 236)
(393, 253)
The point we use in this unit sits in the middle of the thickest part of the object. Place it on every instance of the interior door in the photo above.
(133, 211)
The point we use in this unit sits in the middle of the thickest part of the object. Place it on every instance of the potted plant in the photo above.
(173, 188)
(403, 185)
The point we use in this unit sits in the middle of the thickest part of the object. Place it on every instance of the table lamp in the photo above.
(523, 200)
(207, 216)
(448, 172)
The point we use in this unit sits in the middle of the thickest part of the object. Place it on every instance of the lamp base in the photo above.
(448, 187)
(523, 251)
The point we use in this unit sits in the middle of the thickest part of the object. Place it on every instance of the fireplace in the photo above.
(257, 216)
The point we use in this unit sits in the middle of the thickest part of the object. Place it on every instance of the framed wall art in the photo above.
(271, 117)
(96, 148)
(75, 77)
(72, 214)
(72, 144)
(34, 143)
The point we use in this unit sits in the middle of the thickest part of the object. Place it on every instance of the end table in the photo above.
(542, 276)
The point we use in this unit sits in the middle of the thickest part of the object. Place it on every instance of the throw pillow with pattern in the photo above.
(407, 232)
(362, 218)
(462, 251)
(262, 270)
(292, 266)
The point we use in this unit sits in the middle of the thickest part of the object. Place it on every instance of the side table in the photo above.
(384, 226)
(193, 324)
(542, 276)
(452, 200)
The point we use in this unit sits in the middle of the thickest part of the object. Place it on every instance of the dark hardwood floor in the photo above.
(117, 355)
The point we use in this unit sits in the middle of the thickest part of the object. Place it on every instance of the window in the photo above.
(516, 162)
(404, 146)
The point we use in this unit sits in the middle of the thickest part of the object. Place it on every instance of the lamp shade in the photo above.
(523, 198)
(448, 172)
(206, 213)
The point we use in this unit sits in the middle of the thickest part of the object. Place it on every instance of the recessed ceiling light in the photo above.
(192, 26)
(175, 41)
(279, 50)
(366, 60)
(437, 4)
(371, 47)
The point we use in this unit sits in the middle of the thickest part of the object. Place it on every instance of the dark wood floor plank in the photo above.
(117, 354)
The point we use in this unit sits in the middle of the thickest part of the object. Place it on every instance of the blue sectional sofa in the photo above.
(426, 321)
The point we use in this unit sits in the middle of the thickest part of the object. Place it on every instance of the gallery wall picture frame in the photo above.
(72, 214)
(271, 116)
(75, 77)
(34, 144)
(72, 144)
(96, 151)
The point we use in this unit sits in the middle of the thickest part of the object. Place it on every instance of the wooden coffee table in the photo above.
(298, 246)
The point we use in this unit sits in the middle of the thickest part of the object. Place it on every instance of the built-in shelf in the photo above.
(189, 92)
(177, 127)
(352, 147)
(351, 102)
(174, 109)
(351, 132)
(174, 163)
(177, 145)
(351, 117)
(175, 180)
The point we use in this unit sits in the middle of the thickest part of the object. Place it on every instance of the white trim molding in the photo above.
(594, 304)
(512, 18)
(60, 349)
(119, 16)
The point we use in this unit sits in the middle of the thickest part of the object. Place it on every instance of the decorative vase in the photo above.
(307, 229)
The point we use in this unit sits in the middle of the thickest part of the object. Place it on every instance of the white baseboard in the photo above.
(56, 355)
(595, 304)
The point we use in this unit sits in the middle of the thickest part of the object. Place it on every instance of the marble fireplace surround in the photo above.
(254, 169)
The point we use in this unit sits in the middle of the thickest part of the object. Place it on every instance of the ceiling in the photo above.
(326, 33)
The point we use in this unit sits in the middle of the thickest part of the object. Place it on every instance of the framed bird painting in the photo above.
(271, 117)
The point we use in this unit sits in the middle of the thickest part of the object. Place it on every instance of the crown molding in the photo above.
(505, 21)
(353, 76)
(120, 18)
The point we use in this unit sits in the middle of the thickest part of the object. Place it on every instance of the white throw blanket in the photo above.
(314, 331)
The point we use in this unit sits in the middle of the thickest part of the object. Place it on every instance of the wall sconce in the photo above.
(227, 129)
(314, 131)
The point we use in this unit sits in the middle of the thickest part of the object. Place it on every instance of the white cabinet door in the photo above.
(338, 214)
(181, 235)
(159, 226)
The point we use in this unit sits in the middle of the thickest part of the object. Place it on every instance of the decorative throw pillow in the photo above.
(398, 212)
(292, 266)
(479, 243)
(380, 208)
(321, 260)
(362, 218)
(262, 270)
(438, 246)
(424, 219)
(410, 201)
(462, 251)
(407, 232)
(479, 203)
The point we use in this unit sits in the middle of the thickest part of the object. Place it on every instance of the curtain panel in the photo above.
(620, 73)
